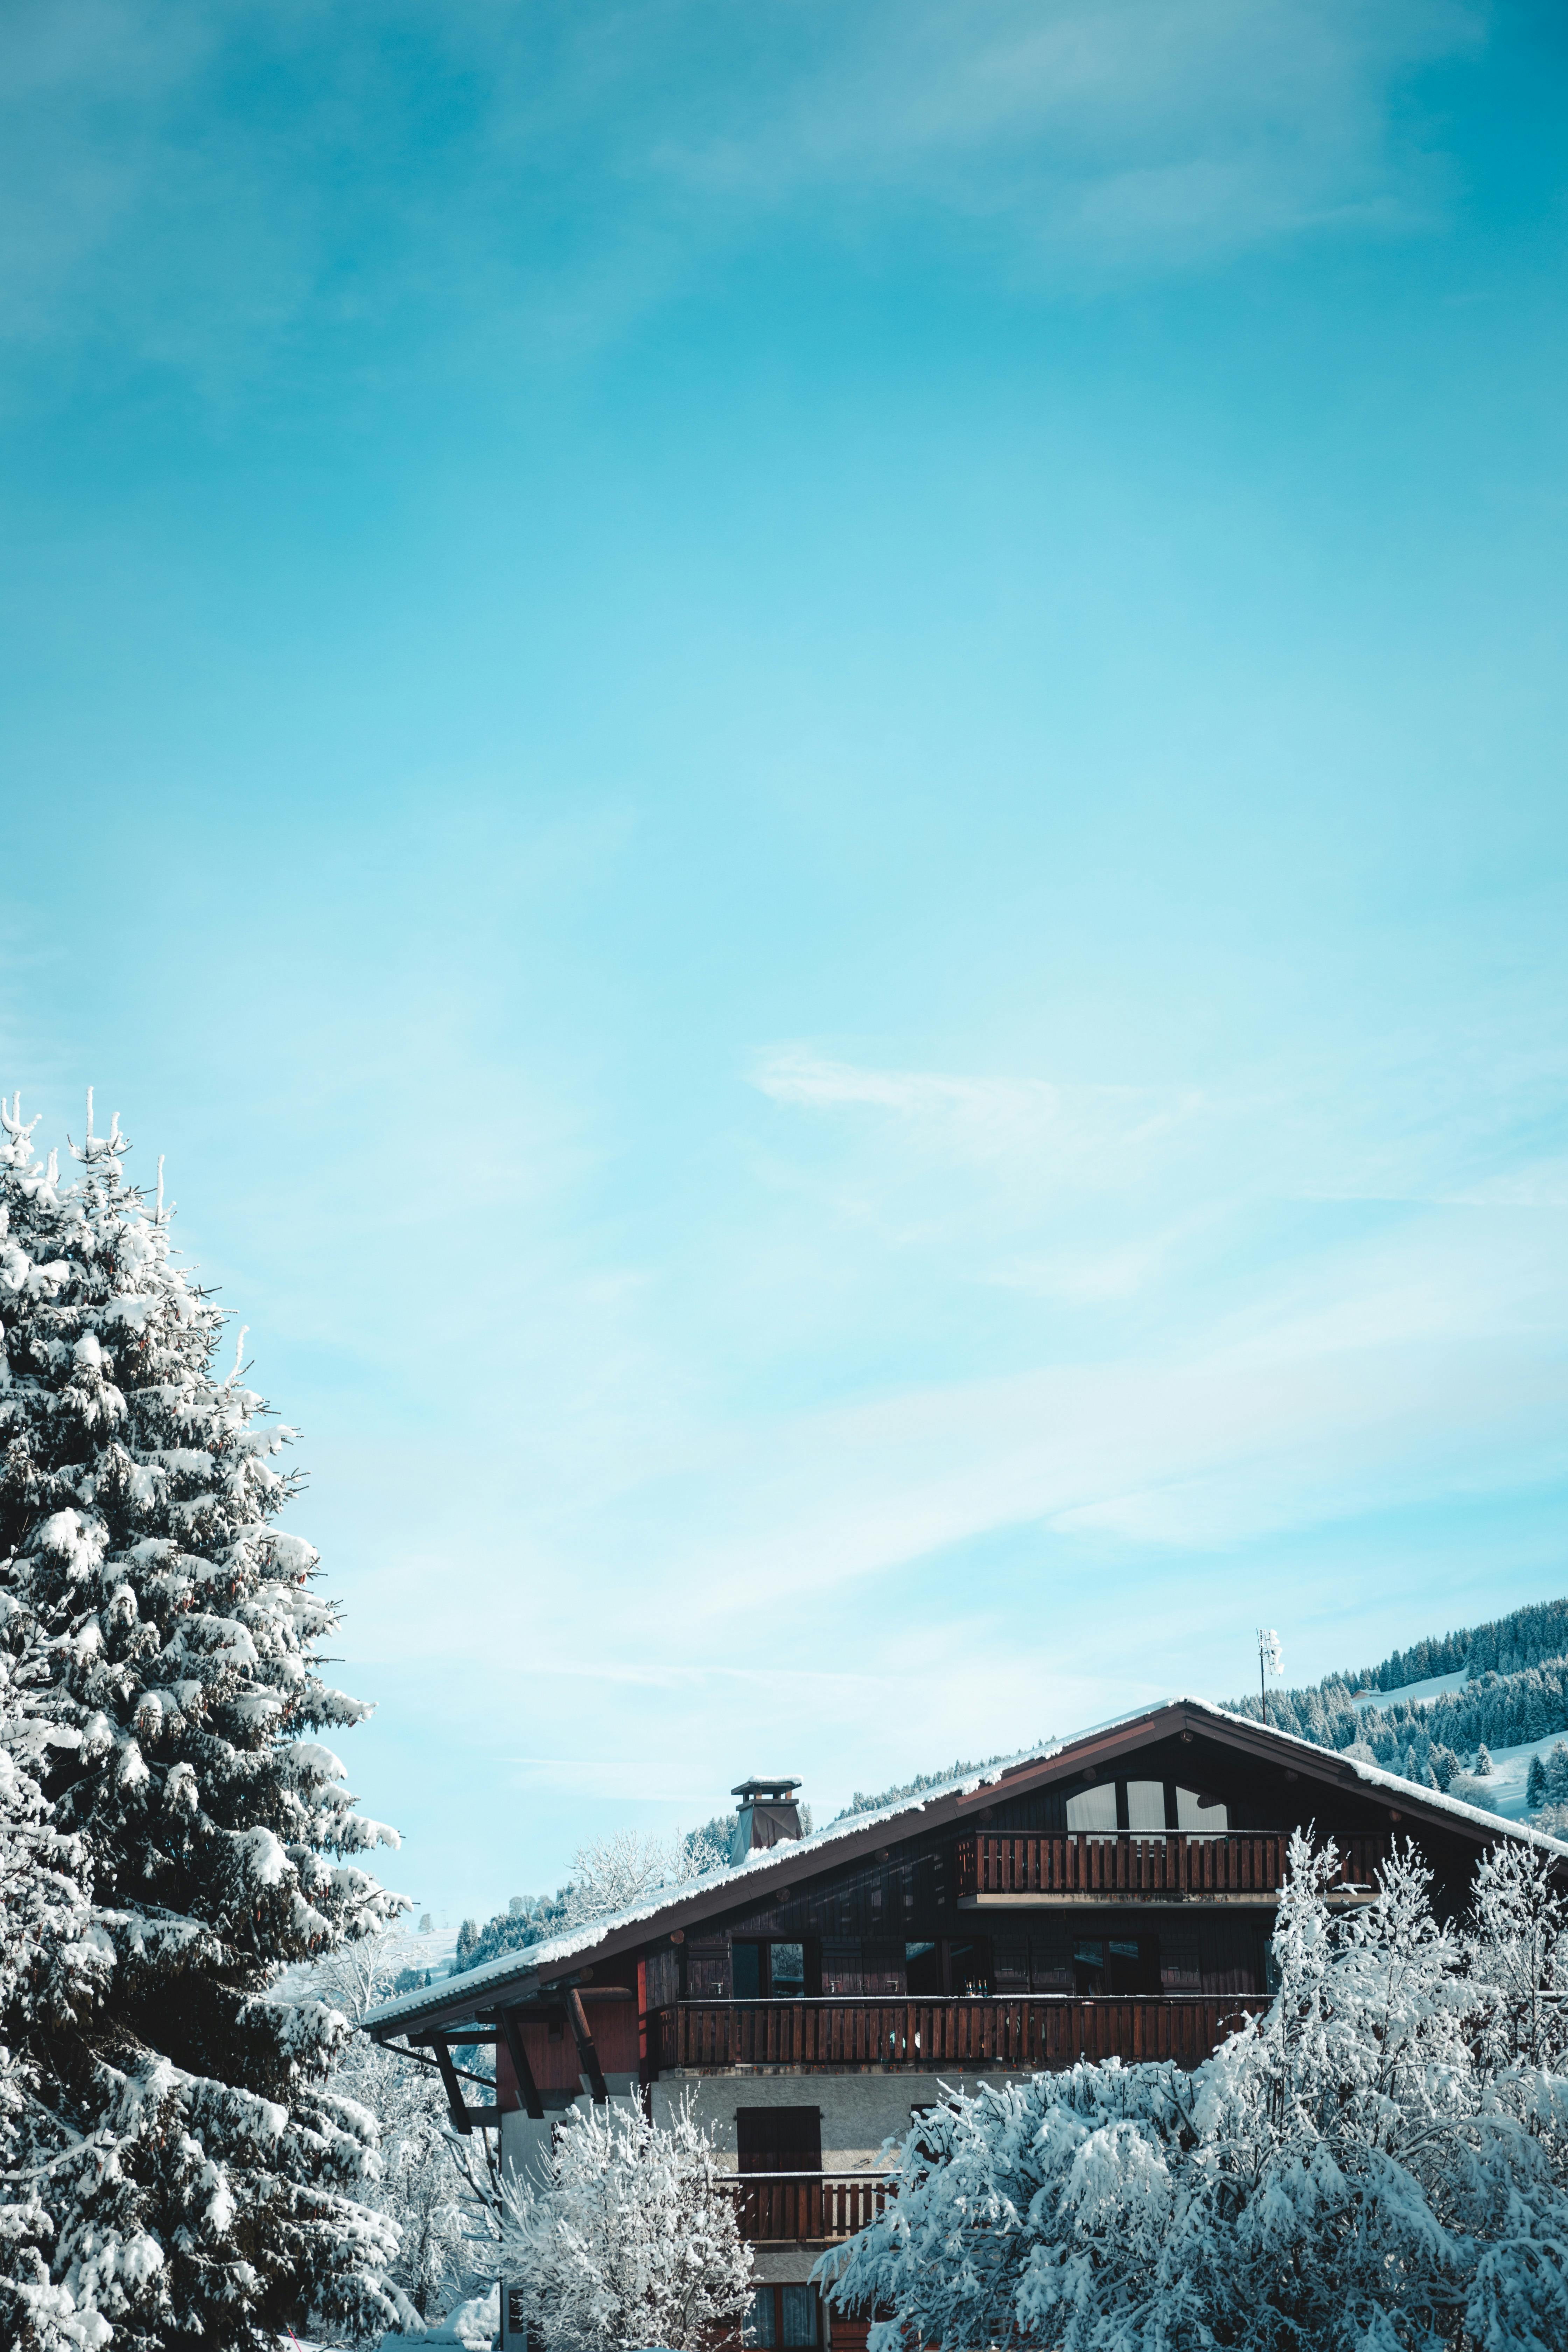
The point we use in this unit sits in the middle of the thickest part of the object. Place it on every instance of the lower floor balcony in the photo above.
(813, 2209)
(1026, 2034)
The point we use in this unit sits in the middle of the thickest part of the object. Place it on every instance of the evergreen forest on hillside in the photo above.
(1515, 1692)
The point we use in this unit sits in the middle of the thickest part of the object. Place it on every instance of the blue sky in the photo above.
(808, 759)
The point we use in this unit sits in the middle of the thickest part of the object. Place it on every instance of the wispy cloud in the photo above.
(199, 185)
(1125, 130)
(988, 1119)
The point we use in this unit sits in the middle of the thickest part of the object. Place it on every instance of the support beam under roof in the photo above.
(585, 2050)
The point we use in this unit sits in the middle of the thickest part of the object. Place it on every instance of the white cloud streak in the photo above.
(199, 185)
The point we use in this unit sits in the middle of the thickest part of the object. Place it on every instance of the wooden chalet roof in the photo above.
(523, 1975)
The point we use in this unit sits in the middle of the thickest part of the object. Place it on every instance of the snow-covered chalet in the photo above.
(1110, 1896)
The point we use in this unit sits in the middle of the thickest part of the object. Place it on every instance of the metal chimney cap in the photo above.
(766, 1784)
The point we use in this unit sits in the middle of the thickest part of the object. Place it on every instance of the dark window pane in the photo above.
(746, 1961)
(922, 1969)
(779, 2139)
(1134, 1968)
(1088, 1967)
(799, 2316)
(788, 1971)
(971, 1966)
(759, 2328)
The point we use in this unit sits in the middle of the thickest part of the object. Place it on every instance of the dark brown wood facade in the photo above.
(1114, 1900)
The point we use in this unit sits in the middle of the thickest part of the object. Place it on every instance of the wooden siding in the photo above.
(551, 2051)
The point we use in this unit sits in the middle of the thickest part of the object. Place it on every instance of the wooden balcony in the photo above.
(805, 2208)
(1174, 1868)
(1028, 2034)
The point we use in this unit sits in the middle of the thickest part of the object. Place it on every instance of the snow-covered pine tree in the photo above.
(1535, 1784)
(51, 1971)
(166, 1633)
(1484, 1766)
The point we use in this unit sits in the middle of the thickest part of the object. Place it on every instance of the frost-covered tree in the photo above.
(161, 1635)
(1484, 1766)
(608, 1874)
(422, 2190)
(1377, 2164)
(613, 1873)
(52, 1970)
(1535, 1783)
(628, 2240)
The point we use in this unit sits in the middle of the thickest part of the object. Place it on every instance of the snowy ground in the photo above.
(1505, 1791)
(1435, 1686)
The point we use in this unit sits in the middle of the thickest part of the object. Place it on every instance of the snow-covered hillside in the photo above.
(1413, 1694)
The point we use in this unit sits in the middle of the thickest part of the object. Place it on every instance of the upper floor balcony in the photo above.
(1161, 1869)
(1029, 2034)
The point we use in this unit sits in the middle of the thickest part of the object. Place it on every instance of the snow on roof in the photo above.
(578, 1943)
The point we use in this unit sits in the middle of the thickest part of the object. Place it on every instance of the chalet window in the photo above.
(779, 2139)
(798, 2314)
(1143, 1808)
(1198, 1814)
(782, 2319)
(788, 1971)
(1088, 1965)
(970, 1968)
(1116, 1965)
(768, 1971)
(922, 1969)
(1146, 1808)
(1093, 1810)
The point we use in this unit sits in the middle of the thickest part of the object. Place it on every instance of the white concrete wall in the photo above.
(859, 2112)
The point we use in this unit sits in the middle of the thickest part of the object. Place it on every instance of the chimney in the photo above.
(769, 1815)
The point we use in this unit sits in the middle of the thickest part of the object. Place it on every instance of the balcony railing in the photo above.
(1176, 1866)
(790, 2208)
(1036, 2033)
